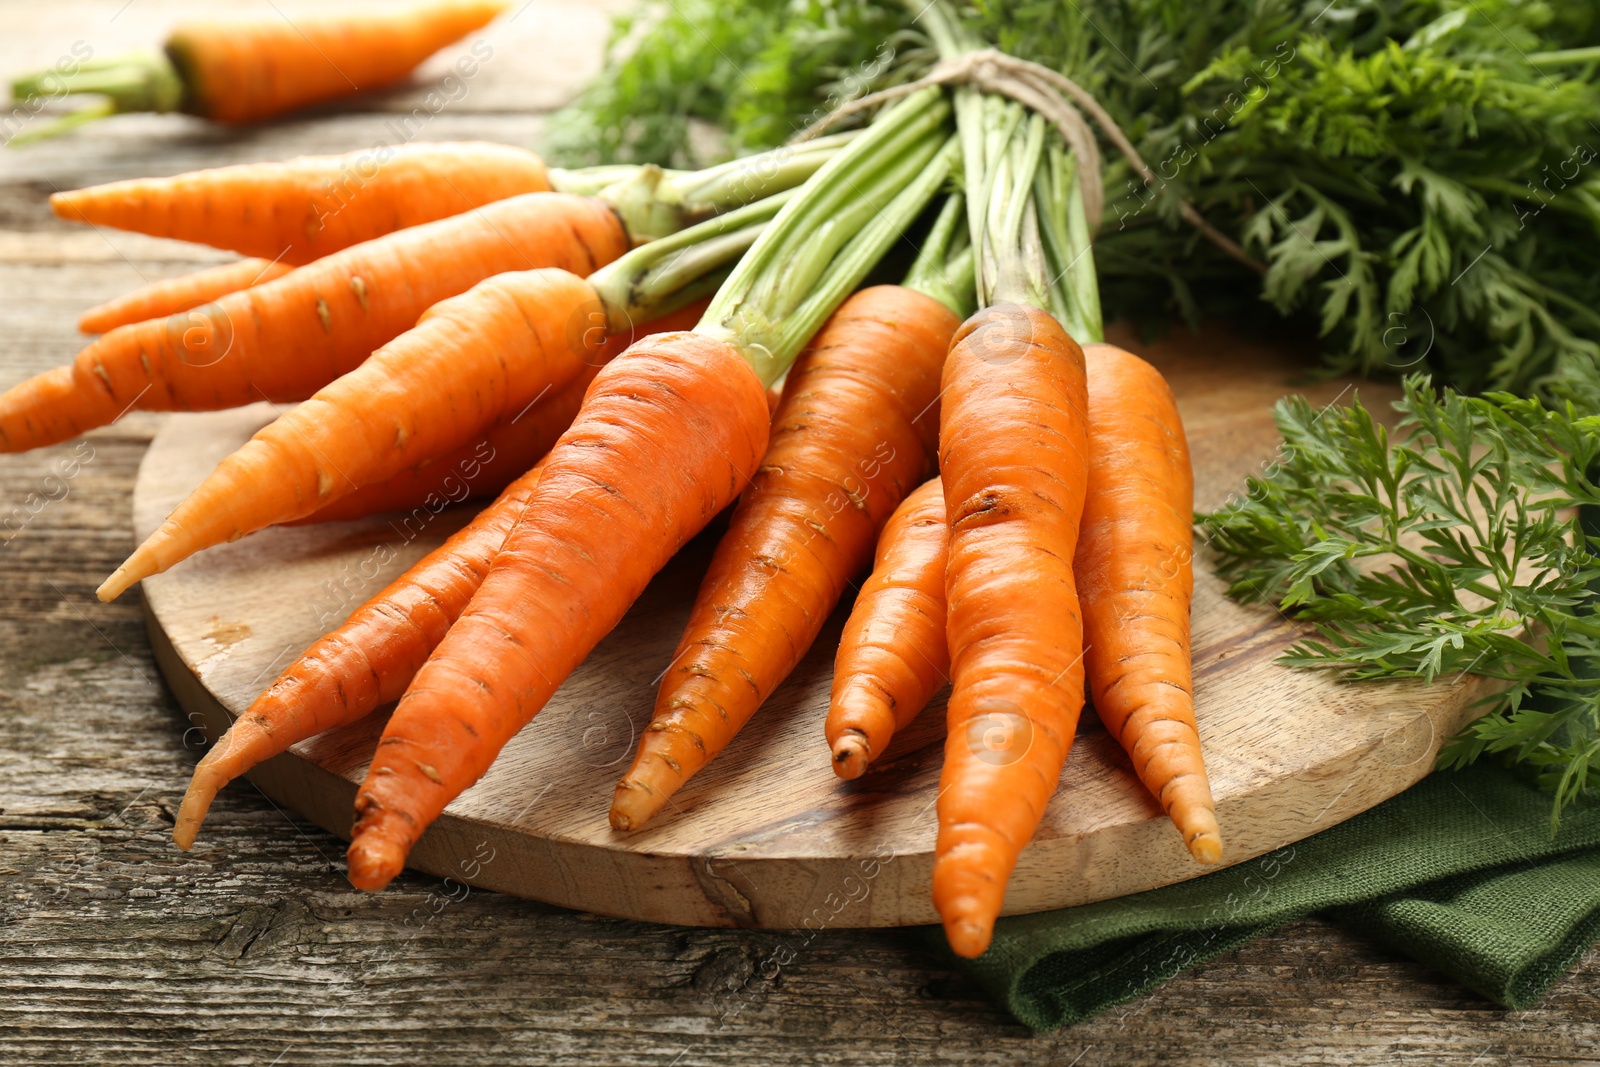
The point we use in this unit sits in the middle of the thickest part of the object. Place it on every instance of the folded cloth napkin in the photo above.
(1460, 872)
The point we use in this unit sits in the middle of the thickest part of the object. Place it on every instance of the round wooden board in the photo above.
(767, 836)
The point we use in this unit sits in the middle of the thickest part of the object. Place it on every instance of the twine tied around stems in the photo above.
(1040, 89)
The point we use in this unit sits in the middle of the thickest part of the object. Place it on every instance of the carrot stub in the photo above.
(1014, 461)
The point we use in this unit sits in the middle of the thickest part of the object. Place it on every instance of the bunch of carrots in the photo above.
(1018, 492)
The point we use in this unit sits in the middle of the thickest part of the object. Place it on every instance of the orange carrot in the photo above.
(367, 662)
(485, 466)
(1014, 461)
(161, 299)
(1135, 572)
(472, 361)
(480, 468)
(284, 340)
(248, 70)
(855, 431)
(670, 432)
(303, 209)
(892, 655)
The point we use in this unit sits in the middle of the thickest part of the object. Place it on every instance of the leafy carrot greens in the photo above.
(1418, 177)
(1462, 541)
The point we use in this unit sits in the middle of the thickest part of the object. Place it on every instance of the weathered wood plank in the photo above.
(117, 948)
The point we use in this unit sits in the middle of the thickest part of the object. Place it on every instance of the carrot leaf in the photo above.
(1465, 541)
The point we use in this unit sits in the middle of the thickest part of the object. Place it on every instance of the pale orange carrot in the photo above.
(306, 208)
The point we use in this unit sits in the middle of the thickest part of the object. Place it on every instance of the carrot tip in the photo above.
(850, 756)
(633, 805)
(115, 585)
(1206, 848)
(192, 812)
(134, 569)
(373, 864)
(969, 937)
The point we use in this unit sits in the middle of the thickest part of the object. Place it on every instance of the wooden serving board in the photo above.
(767, 836)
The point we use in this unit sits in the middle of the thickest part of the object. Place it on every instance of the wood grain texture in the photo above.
(767, 836)
(117, 948)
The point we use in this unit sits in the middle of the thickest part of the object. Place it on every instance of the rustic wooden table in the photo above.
(116, 947)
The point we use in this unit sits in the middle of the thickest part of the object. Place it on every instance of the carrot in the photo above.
(892, 655)
(306, 208)
(1014, 460)
(1135, 571)
(365, 663)
(161, 299)
(472, 361)
(284, 340)
(480, 468)
(487, 465)
(670, 432)
(854, 432)
(246, 71)
(249, 69)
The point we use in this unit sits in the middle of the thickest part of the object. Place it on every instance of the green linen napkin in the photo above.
(1459, 872)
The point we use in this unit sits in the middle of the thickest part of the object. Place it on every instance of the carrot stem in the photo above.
(650, 281)
(1567, 56)
(944, 267)
(1025, 209)
(743, 180)
(654, 202)
(1075, 298)
(592, 181)
(821, 244)
(142, 81)
(145, 81)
